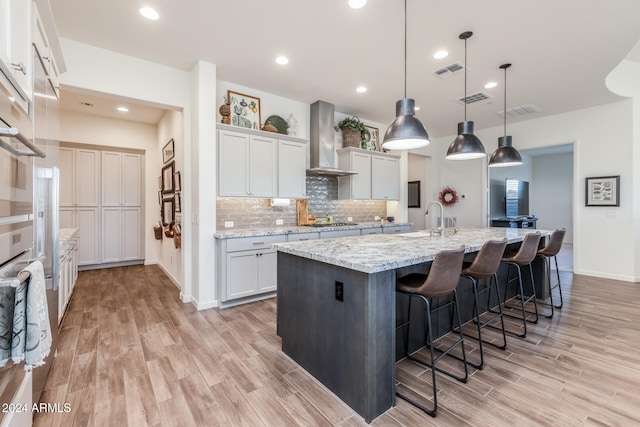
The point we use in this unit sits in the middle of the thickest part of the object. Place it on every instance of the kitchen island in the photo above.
(337, 306)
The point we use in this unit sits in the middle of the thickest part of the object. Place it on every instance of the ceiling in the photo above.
(561, 51)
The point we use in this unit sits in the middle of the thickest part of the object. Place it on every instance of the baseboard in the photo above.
(601, 275)
(247, 300)
(173, 279)
(110, 265)
(204, 305)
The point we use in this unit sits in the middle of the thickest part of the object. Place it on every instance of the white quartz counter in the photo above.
(292, 229)
(381, 252)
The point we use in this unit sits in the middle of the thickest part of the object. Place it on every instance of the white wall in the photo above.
(419, 169)
(551, 192)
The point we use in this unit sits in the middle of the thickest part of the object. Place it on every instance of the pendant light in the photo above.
(405, 132)
(505, 154)
(466, 145)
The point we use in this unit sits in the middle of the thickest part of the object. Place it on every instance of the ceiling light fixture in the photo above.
(282, 60)
(357, 4)
(490, 85)
(123, 109)
(441, 54)
(505, 154)
(405, 132)
(361, 89)
(466, 145)
(149, 13)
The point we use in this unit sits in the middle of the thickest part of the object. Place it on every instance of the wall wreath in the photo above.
(448, 197)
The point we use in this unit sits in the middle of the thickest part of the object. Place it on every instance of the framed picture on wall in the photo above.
(413, 194)
(245, 110)
(168, 210)
(177, 181)
(177, 203)
(167, 178)
(602, 191)
(373, 139)
(168, 151)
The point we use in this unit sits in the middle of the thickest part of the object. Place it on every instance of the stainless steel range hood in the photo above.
(322, 148)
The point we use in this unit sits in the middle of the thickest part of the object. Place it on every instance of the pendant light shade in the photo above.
(505, 155)
(405, 132)
(466, 145)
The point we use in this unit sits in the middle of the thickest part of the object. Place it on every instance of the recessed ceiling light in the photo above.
(282, 60)
(441, 54)
(357, 4)
(149, 13)
(416, 108)
(123, 109)
(490, 85)
(361, 89)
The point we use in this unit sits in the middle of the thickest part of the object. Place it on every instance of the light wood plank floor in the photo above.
(131, 353)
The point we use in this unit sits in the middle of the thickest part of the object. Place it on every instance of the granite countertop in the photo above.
(381, 252)
(66, 237)
(294, 229)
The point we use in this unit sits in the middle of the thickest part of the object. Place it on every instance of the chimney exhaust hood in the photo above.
(321, 142)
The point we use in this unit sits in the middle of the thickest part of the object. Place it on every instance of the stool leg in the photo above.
(533, 295)
(494, 279)
(522, 302)
(547, 263)
(558, 285)
(476, 314)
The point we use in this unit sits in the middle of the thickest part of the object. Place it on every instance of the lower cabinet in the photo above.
(121, 234)
(68, 275)
(396, 229)
(88, 222)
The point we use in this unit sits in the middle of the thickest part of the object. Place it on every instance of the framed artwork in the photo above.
(602, 191)
(167, 178)
(373, 139)
(177, 181)
(159, 183)
(413, 194)
(245, 110)
(168, 209)
(168, 151)
(177, 203)
(160, 197)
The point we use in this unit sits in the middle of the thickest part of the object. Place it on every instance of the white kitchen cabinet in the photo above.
(292, 169)
(16, 59)
(247, 165)
(87, 220)
(68, 274)
(378, 175)
(396, 229)
(328, 234)
(385, 178)
(121, 234)
(121, 179)
(247, 267)
(66, 161)
(300, 237)
(358, 186)
(87, 177)
(375, 230)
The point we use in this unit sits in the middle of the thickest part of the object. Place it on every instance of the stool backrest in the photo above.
(444, 273)
(528, 249)
(555, 243)
(487, 260)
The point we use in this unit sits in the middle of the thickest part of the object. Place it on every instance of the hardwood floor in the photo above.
(131, 353)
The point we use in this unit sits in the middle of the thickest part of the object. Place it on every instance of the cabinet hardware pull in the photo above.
(258, 243)
(19, 67)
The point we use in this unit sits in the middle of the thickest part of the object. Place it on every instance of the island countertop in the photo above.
(382, 252)
(233, 233)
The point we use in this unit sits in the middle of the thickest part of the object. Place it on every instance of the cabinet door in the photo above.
(267, 271)
(111, 235)
(87, 177)
(292, 169)
(131, 179)
(385, 178)
(361, 183)
(15, 44)
(131, 234)
(88, 224)
(263, 167)
(233, 160)
(242, 274)
(111, 178)
(67, 177)
(66, 217)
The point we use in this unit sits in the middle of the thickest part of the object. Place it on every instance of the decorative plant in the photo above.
(356, 125)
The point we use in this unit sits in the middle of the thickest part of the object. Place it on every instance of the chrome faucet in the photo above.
(441, 214)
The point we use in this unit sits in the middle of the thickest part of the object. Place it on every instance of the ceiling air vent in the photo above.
(449, 70)
(474, 97)
(519, 111)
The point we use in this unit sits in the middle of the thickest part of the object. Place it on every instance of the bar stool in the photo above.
(523, 257)
(551, 250)
(440, 282)
(485, 266)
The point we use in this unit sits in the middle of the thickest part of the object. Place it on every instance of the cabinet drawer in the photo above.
(376, 230)
(339, 233)
(397, 229)
(250, 243)
(297, 237)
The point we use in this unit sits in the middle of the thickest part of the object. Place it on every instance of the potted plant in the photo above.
(354, 133)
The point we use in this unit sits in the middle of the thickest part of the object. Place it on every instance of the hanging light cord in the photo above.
(465, 79)
(405, 49)
(504, 113)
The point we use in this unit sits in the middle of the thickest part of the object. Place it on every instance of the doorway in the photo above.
(419, 174)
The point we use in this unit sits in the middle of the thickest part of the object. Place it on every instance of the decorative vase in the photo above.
(351, 138)
(225, 112)
(292, 124)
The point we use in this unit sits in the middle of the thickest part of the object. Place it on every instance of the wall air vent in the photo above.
(474, 97)
(449, 70)
(519, 111)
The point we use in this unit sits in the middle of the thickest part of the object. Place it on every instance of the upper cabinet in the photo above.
(260, 164)
(378, 176)
(16, 60)
(121, 179)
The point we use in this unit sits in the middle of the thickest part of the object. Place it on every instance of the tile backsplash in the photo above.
(322, 201)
